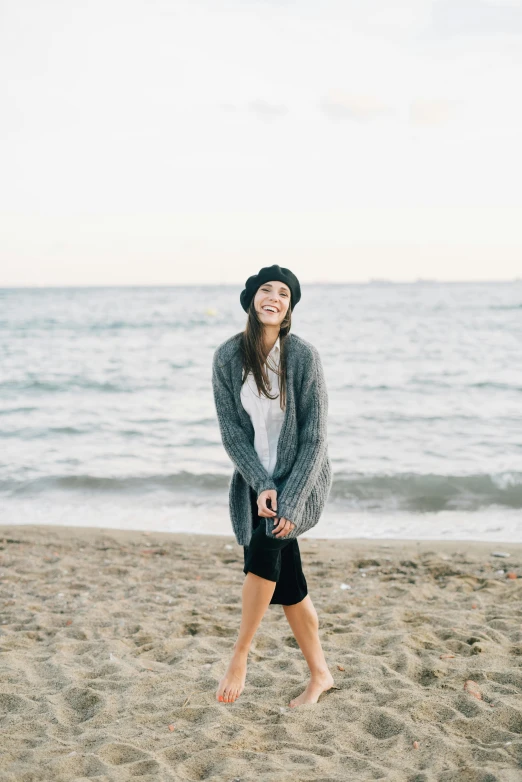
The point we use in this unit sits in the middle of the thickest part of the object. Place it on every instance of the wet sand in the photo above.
(112, 644)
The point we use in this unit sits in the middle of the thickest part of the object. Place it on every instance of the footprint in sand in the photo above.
(120, 754)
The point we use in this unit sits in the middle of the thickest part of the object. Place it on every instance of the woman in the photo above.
(271, 402)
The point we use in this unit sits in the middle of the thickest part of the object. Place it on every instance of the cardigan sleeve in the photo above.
(235, 440)
(312, 405)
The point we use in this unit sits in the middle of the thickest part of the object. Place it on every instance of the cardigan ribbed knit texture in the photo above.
(303, 473)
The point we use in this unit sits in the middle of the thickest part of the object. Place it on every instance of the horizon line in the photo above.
(372, 281)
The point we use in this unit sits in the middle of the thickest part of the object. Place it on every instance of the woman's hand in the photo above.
(283, 527)
(269, 495)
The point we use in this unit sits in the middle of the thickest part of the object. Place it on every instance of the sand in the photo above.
(112, 644)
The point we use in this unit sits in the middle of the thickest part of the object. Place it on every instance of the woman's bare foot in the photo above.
(233, 682)
(318, 683)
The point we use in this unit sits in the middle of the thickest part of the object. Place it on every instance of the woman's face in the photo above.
(275, 295)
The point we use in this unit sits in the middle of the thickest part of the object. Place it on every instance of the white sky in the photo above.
(195, 141)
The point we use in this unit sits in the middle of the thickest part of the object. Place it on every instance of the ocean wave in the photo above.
(496, 386)
(64, 385)
(428, 492)
(36, 433)
(79, 383)
(16, 410)
(132, 484)
(429, 382)
(83, 328)
(410, 492)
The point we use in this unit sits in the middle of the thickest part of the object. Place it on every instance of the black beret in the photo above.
(267, 274)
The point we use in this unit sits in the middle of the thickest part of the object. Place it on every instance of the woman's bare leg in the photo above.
(302, 618)
(256, 597)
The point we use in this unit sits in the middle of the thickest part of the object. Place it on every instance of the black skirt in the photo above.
(276, 559)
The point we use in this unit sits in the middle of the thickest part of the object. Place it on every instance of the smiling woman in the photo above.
(272, 405)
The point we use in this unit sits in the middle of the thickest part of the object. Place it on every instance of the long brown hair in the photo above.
(254, 353)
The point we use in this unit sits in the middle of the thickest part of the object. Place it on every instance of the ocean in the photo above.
(107, 417)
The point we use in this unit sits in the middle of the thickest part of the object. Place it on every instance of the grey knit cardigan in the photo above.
(303, 473)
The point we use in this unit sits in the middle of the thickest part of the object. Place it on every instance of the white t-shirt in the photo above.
(266, 414)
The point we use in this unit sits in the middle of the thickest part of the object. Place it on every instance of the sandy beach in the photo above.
(112, 645)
